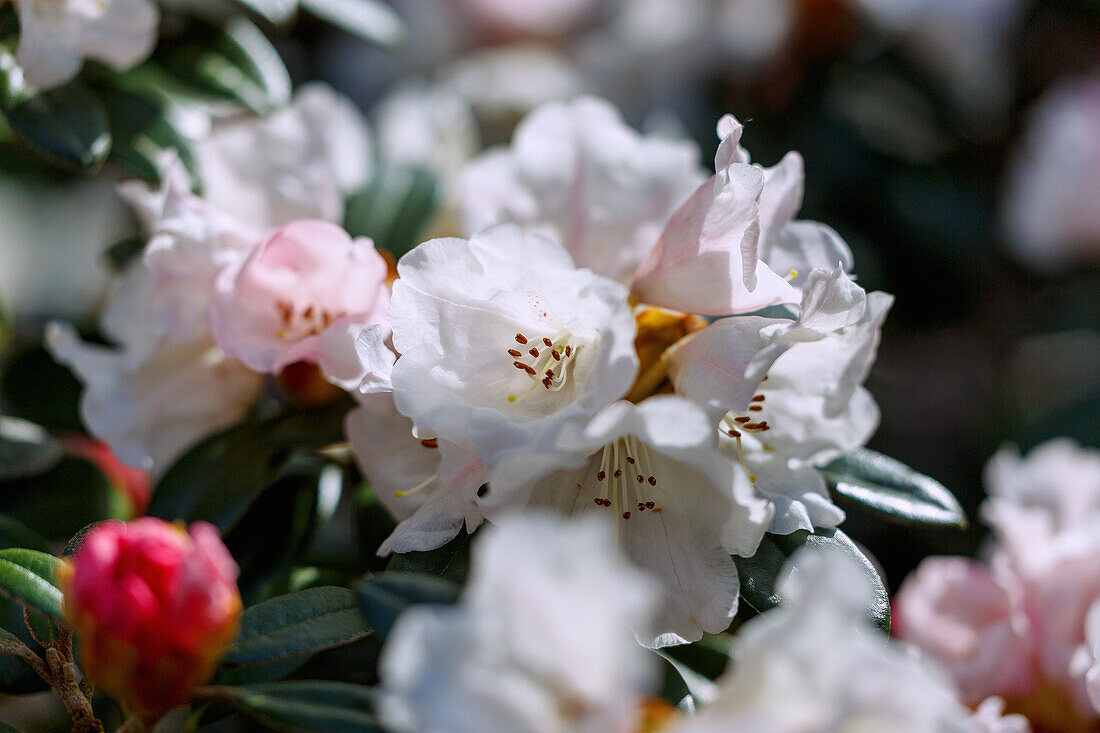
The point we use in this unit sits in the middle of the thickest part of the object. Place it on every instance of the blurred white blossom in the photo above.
(540, 641)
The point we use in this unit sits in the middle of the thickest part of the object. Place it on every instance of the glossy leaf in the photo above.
(235, 62)
(893, 490)
(322, 706)
(451, 561)
(217, 480)
(25, 449)
(372, 20)
(383, 597)
(142, 131)
(760, 573)
(299, 623)
(27, 576)
(394, 209)
(67, 124)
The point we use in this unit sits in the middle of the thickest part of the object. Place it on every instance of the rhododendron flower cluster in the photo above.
(155, 608)
(1018, 625)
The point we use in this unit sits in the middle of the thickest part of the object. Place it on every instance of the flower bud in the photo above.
(155, 609)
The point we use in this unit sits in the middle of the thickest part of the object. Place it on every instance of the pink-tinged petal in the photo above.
(721, 366)
(307, 276)
(705, 259)
(972, 621)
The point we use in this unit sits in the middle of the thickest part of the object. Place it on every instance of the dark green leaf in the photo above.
(217, 480)
(394, 208)
(452, 561)
(759, 573)
(142, 130)
(27, 576)
(16, 534)
(67, 124)
(25, 449)
(336, 707)
(56, 504)
(383, 597)
(271, 672)
(276, 530)
(235, 62)
(893, 490)
(298, 623)
(372, 20)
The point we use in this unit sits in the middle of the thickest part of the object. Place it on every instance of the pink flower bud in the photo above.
(155, 609)
(971, 620)
(270, 309)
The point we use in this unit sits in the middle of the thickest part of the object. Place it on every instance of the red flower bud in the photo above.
(155, 609)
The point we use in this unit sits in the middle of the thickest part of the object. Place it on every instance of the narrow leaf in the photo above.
(760, 573)
(451, 561)
(383, 597)
(394, 209)
(893, 490)
(299, 623)
(218, 479)
(27, 576)
(67, 124)
(336, 707)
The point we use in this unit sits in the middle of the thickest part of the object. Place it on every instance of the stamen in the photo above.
(521, 338)
(423, 484)
(430, 442)
(534, 352)
(515, 353)
(548, 342)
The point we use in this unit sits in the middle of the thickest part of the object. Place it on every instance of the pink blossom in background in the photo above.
(155, 609)
(271, 309)
(970, 619)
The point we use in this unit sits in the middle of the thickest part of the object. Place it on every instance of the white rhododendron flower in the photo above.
(794, 247)
(576, 171)
(157, 392)
(299, 163)
(970, 618)
(404, 474)
(706, 258)
(501, 338)
(1050, 225)
(816, 664)
(540, 641)
(679, 508)
(55, 36)
(272, 308)
(190, 242)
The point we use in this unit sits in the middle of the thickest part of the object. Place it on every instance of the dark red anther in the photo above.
(521, 338)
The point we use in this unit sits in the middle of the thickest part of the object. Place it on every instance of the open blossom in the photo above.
(1021, 628)
(404, 473)
(165, 384)
(539, 643)
(299, 163)
(272, 308)
(155, 609)
(156, 392)
(815, 664)
(576, 171)
(679, 507)
(970, 618)
(501, 338)
(1045, 513)
(55, 36)
(788, 392)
